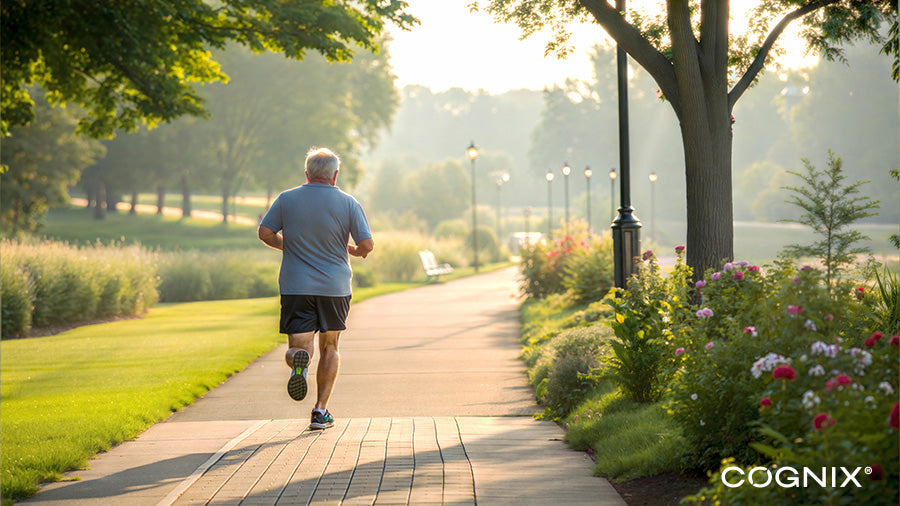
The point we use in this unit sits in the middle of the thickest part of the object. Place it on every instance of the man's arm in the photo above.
(362, 249)
(272, 239)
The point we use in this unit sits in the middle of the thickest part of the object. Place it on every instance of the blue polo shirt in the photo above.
(316, 221)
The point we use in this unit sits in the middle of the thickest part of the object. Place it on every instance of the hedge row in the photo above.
(47, 283)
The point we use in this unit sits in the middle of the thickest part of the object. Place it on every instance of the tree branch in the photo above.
(741, 86)
(631, 40)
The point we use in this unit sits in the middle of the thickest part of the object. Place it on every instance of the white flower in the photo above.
(702, 423)
(817, 371)
(886, 387)
(870, 400)
(810, 325)
(767, 363)
(810, 399)
(832, 351)
(818, 347)
(693, 397)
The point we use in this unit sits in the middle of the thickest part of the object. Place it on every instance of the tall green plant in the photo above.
(830, 208)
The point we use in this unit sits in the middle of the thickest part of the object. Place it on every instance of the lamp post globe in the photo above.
(612, 192)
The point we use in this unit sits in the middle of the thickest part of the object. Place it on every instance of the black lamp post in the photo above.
(653, 178)
(472, 152)
(549, 177)
(626, 228)
(587, 178)
(566, 170)
(612, 193)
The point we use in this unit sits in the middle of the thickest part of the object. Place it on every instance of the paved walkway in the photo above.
(432, 407)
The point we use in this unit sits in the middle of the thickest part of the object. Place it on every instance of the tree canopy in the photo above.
(128, 63)
(702, 70)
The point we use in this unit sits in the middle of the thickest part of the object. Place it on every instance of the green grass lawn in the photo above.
(74, 225)
(65, 398)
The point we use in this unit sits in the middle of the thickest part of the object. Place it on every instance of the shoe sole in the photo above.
(321, 426)
(296, 386)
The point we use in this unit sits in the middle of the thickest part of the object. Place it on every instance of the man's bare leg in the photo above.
(300, 350)
(329, 365)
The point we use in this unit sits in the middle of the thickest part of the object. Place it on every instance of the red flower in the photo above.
(877, 473)
(784, 371)
(877, 335)
(765, 401)
(895, 340)
(843, 379)
(870, 342)
(823, 420)
(679, 249)
(860, 292)
(895, 416)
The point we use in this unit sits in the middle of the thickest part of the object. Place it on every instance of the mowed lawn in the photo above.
(65, 398)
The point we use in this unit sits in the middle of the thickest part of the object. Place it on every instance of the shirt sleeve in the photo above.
(359, 226)
(272, 220)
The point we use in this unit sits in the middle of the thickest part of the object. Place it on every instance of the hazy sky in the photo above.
(454, 47)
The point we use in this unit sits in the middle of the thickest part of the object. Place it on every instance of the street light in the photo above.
(503, 178)
(472, 152)
(566, 170)
(653, 179)
(587, 177)
(612, 193)
(550, 204)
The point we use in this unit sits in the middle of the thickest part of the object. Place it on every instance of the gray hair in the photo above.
(321, 163)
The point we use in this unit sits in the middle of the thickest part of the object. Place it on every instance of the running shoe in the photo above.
(296, 386)
(320, 421)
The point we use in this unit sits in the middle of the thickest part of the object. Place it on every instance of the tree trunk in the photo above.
(226, 194)
(100, 196)
(185, 198)
(112, 200)
(160, 199)
(134, 202)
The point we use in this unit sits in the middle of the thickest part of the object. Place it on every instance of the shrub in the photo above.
(543, 267)
(563, 373)
(363, 277)
(194, 275)
(60, 284)
(396, 255)
(641, 362)
(455, 229)
(747, 323)
(589, 270)
(835, 411)
(488, 245)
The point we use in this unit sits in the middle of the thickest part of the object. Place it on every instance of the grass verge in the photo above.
(64, 398)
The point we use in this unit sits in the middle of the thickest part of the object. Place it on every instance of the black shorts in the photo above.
(311, 313)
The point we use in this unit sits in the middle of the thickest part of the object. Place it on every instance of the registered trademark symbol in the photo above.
(868, 470)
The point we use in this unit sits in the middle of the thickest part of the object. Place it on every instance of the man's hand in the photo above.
(362, 249)
(272, 239)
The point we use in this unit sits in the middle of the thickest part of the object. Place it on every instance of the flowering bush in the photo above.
(580, 265)
(645, 313)
(754, 319)
(839, 409)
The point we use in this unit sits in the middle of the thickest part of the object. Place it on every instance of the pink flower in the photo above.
(843, 379)
(829, 385)
(895, 340)
(679, 351)
(806, 268)
(647, 255)
(590, 451)
(765, 401)
(728, 266)
(753, 268)
(829, 317)
(700, 284)
(738, 276)
(796, 280)
(716, 276)
(784, 371)
(794, 310)
(709, 345)
(679, 249)
(704, 313)
(895, 416)
(823, 420)
(751, 331)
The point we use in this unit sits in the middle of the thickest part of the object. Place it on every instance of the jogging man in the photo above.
(316, 221)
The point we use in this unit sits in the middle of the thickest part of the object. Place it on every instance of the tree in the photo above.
(702, 70)
(43, 158)
(128, 63)
(830, 209)
(439, 191)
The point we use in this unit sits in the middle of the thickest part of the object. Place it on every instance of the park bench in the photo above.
(433, 271)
